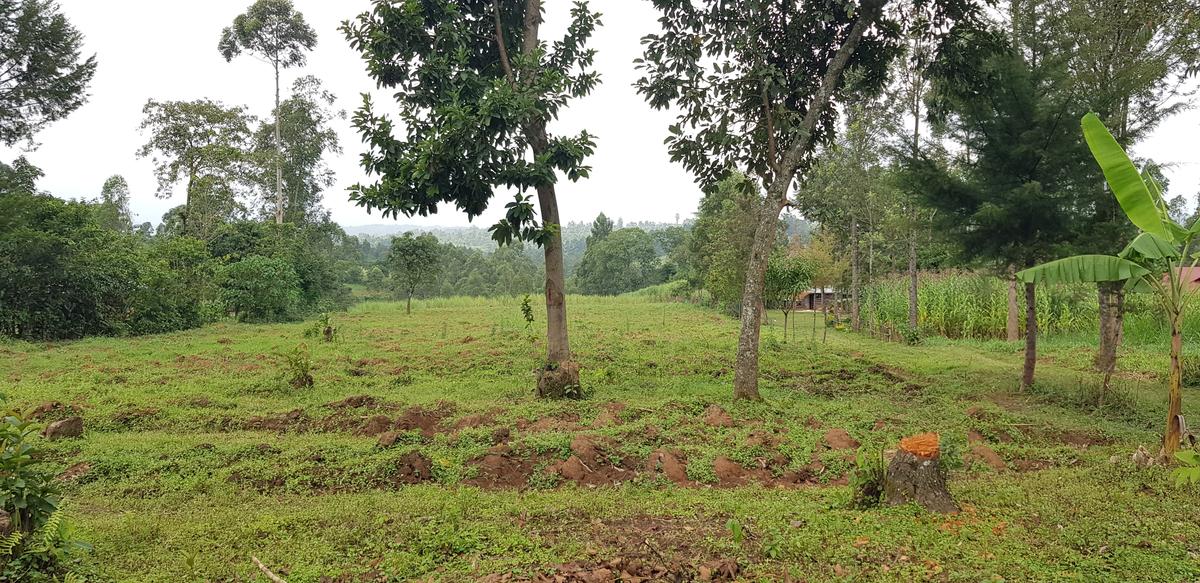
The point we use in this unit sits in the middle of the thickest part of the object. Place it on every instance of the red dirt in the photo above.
(982, 453)
(838, 438)
(669, 464)
(75, 471)
(729, 472)
(502, 470)
(424, 420)
(376, 425)
(354, 402)
(294, 419)
(413, 468)
(715, 416)
(565, 422)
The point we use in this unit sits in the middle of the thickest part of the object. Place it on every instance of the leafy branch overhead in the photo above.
(470, 108)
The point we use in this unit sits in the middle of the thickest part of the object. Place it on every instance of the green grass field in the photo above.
(197, 453)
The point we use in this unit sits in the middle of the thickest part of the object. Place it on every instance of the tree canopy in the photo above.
(43, 74)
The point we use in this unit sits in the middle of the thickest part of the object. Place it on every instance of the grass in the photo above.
(198, 454)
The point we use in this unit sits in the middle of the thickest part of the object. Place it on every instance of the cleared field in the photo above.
(420, 452)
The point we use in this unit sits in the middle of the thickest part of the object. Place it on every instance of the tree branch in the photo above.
(504, 62)
(868, 12)
(266, 571)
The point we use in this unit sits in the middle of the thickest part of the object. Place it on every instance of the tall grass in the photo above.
(969, 305)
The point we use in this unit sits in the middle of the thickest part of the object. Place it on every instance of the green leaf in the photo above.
(1126, 183)
(1149, 246)
(1083, 268)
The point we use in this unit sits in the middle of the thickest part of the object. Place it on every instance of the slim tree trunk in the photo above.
(1174, 391)
(824, 322)
(1014, 325)
(745, 381)
(278, 156)
(783, 172)
(1112, 317)
(408, 304)
(855, 278)
(1031, 334)
(912, 280)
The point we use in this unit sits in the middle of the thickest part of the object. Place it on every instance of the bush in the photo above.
(260, 289)
(36, 544)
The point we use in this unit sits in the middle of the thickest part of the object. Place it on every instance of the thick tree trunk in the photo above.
(745, 380)
(918, 477)
(278, 156)
(1112, 318)
(912, 281)
(1174, 391)
(1031, 334)
(1014, 323)
(855, 278)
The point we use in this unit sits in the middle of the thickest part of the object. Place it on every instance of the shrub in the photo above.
(260, 289)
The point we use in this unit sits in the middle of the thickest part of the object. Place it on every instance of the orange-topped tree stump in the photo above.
(915, 474)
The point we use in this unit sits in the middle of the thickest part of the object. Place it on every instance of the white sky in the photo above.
(167, 50)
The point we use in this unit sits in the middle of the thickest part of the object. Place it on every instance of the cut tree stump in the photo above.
(915, 474)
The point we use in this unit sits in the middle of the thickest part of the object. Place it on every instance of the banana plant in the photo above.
(1154, 262)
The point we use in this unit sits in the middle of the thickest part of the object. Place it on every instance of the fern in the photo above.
(8, 544)
(51, 533)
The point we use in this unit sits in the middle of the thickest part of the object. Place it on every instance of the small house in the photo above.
(816, 299)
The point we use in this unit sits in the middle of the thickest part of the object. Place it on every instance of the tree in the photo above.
(43, 76)
(272, 31)
(621, 262)
(721, 238)
(756, 83)
(827, 270)
(112, 209)
(307, 137)
(477, 88)
(204, 144)
(414, 262)
(260, 289)
(1131, 59)
(1154, 262)
(787, 277)
(1011, 200)
(20, 177)
(601, 228)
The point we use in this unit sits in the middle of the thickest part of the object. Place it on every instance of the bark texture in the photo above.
(1112, 324)
(1174, 432)
(1014, 322)
(916, 479)
(913, 283)
(1031, 334)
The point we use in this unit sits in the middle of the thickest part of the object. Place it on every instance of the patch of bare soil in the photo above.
(561, 422)
(413, 468)
(76, 471)
(610, 414)
(53, 410)
(354, 402)
(838, 438)
(501, 469)
(135, 416)
(294, 420)
(715, 416)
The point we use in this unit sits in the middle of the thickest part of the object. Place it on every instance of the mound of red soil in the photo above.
(838, 438)
(715, 416)
(669, 465)
(413, 468)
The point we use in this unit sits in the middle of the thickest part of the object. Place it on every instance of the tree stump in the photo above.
(559, 381)
(915, 474)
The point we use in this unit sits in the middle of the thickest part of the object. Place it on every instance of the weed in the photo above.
(323, 328)
(866, 479)
(1189, 472)
(298, 367)
(527, 311)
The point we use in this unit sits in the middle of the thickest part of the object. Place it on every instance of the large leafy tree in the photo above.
(275, 32)
(304, 120)
(622, 262)
(1009, 201)
(43, 75)
(112, 208)
(414, 261)
(477, 88)
(204, 145)
(1131, 59)
(721, 238)
(757, 83)
(602, 227)
(1154, 262)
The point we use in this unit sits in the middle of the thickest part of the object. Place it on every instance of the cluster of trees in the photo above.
(72, 269)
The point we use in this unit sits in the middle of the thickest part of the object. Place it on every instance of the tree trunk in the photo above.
(824, 320)
(855, 277)
(745, 379)
(278, 156)
(1112, 317)
(1014, 324)
(408, 304)
(912, 281)
(1031, 334)
(1174, 391)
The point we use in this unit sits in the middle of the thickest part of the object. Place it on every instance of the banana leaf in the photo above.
(1131, 191)
(1083, 268)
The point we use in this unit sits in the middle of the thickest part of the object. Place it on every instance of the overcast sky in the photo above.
(167, 50)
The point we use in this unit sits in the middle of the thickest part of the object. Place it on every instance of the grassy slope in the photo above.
(178, 489)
